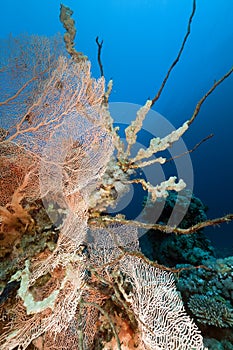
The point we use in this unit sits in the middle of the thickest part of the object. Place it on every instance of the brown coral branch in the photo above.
(112, 289)
(153, 161)
(103, 312)
(157, 96)
(100, 44)
(107, 220)
(191, 150)
(202, 100)
(145, 259)
(159, 266)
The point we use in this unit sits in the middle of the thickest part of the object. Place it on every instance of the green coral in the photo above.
(211, 311)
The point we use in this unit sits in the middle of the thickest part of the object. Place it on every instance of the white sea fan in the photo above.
(163, 321)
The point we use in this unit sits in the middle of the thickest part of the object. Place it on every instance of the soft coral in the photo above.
(14, 215)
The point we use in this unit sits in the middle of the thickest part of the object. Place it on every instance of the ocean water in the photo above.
(141, 40)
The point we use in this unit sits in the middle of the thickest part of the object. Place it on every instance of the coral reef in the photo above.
(207, 292)
(211, 311)
(76, 273)
(69, 171)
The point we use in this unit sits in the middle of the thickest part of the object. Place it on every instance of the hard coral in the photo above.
(211, 311)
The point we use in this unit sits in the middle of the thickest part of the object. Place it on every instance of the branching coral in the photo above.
(210, 311)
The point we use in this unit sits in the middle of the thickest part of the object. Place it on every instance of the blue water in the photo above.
(141, 39)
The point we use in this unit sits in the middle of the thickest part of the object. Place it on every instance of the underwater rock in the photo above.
(175, 249)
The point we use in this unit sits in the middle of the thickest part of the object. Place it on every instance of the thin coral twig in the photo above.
(191, 150)
(156, 160)
(202, 100)
(157, 96)
(100, 45)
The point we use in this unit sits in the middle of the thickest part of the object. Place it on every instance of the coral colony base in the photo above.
(72, 276)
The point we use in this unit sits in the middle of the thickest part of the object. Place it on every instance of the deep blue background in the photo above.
(141, 39)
